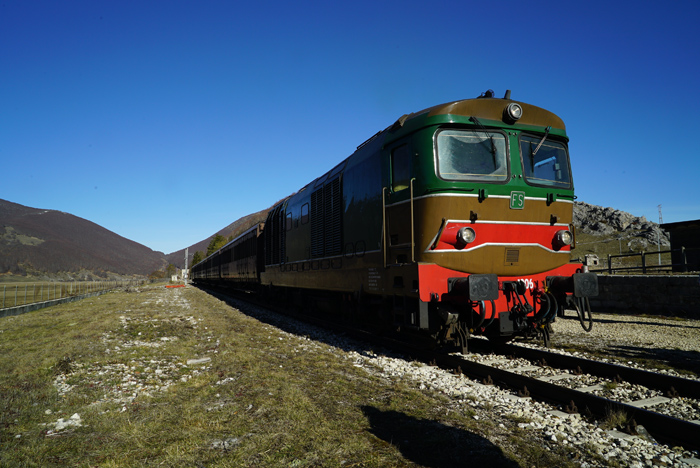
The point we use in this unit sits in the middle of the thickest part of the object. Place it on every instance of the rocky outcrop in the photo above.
(637, 231)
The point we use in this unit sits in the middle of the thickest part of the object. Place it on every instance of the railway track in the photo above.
(669, 385)
(663, 428)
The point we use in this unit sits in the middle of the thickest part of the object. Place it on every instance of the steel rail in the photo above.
(664, 428)
(663, 382)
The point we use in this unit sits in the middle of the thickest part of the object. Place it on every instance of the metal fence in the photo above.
(642, 265)
(18, 294)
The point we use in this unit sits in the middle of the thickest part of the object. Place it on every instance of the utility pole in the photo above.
(186, 271)
(658, 235)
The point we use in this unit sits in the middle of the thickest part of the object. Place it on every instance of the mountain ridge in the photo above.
(50, 241)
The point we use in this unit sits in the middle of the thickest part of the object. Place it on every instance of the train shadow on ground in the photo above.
(688, 360)
(291, 324)
(676, 358)
(432, 444)
(597, 320)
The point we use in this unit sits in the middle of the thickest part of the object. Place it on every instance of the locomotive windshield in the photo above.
(547, 165)
(477, 155)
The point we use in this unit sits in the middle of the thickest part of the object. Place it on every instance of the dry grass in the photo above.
(615, 419)
(265, 398)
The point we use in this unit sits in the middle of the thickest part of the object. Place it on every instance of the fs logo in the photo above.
(517, 200)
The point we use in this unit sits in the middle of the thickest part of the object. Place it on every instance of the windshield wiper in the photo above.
(493, 144)
(546, 132)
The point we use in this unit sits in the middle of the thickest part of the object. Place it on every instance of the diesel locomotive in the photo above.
(454, 221)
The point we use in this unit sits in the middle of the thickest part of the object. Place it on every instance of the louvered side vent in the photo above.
(268, 238)
(276, 236)
(317, 223)
(282, 220)
(333, 214)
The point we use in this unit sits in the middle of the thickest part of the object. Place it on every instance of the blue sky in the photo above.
(164, 121)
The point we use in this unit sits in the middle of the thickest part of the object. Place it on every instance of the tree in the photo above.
(216, 243)
(170, 270)
(196, 258)
(158, 274)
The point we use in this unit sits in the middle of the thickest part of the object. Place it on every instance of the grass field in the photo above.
(175, 377)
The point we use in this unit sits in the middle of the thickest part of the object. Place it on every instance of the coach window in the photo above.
(400, 168)
(304, 213)
(474, 155)
(289, 221)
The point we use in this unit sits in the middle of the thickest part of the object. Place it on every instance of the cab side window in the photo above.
(400, 168)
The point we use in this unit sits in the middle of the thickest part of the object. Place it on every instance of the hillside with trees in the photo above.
(35, 241)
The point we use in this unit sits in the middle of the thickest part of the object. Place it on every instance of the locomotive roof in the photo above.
(486, 108)
(492, 109)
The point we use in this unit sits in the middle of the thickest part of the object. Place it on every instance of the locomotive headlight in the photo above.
(562, 238)
(514, 111)
(466, 235)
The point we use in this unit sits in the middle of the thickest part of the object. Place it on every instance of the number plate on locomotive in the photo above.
(517, 200)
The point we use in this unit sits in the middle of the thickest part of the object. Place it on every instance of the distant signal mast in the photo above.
(658, 235)
(185, 271)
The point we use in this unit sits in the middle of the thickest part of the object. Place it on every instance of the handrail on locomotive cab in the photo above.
(413, 231)
(384, 226)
